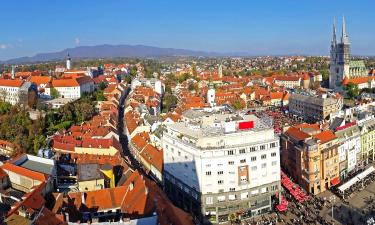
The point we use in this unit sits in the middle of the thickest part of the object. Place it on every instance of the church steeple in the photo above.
(344, 35)
(334, 42)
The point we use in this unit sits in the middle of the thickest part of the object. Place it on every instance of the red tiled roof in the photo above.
(49, 218)
(38, 80)
(357, 80)
(297, 133)
(71, 82)
(287, 78)
(11, 83)
(24, 172)
(325, 136)
(153, 156)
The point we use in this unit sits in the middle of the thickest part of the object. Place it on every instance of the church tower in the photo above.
(340, 57)
(68, 62)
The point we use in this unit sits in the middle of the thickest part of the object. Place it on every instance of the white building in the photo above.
(349, 149)
(16, 91)
(216, 165)
(9, 90)
(211, 96)
(73, 87)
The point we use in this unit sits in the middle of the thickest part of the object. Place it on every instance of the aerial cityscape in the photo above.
(172, 113)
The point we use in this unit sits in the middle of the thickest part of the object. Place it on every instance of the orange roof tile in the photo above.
(325, 136)
(11, 83)
(297, 133)
(24, 172)
(38, 80)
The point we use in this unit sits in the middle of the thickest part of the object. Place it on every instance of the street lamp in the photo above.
(332, 200)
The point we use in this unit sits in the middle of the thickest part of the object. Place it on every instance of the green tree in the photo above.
(352, 90)
(54, 93)
(194, 70)
(169, 101)
(38, 142)
(183, 77)
(5, 107)
(238, 105)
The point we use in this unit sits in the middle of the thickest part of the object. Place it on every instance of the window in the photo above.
(252, 149)
(220, 173)
(262, 147)
(230, 152)
(208, 173)
(273, 145)
(209, 200)
(264, 165)
(232, 189)
(274, 163)
(231, 172)
(231, 162)
(244, 195)
(220, 182)
(242, 160)
(273, 154)
(253, 168)
(264, 156)
(232, 197)
(254, 158)
(221, 198)
(208, 165)
(242, 151)
(179, 153)
(166, 146)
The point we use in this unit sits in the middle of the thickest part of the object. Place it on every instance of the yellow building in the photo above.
(90, 178)
(311, 157)
(367, 141)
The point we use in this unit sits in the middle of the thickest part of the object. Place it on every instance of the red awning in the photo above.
(335, 181)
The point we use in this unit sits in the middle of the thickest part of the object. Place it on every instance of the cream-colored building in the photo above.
(311, 157)
(313, 107)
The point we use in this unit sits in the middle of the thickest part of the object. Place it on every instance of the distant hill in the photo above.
(113, 51)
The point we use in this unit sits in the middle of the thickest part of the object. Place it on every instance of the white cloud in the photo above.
(4, 46)
(77, 41)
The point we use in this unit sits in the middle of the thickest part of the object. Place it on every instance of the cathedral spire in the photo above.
(334, 42)
(344, 35)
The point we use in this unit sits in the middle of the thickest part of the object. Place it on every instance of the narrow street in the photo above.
(134, 164)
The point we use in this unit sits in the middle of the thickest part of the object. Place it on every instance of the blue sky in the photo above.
(258, 27)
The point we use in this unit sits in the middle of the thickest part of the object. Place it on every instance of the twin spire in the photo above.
(344, 35)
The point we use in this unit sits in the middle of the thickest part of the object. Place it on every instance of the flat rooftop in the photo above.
(89, 172)
(37, 166)
(211, 125)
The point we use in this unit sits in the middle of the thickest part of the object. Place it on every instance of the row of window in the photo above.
(243, 195)
(252, 149)
(252, 159)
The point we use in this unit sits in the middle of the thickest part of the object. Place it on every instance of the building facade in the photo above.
(314, 107)
(73, 87)
(368, 141)
(17, 91)
(311, 157)
(218, 166)
(349, 137)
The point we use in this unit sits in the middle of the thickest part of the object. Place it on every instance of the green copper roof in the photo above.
(359, 63)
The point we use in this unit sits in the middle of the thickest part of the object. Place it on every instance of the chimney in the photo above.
(83, 198)
(66, 217)
(131, 185)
